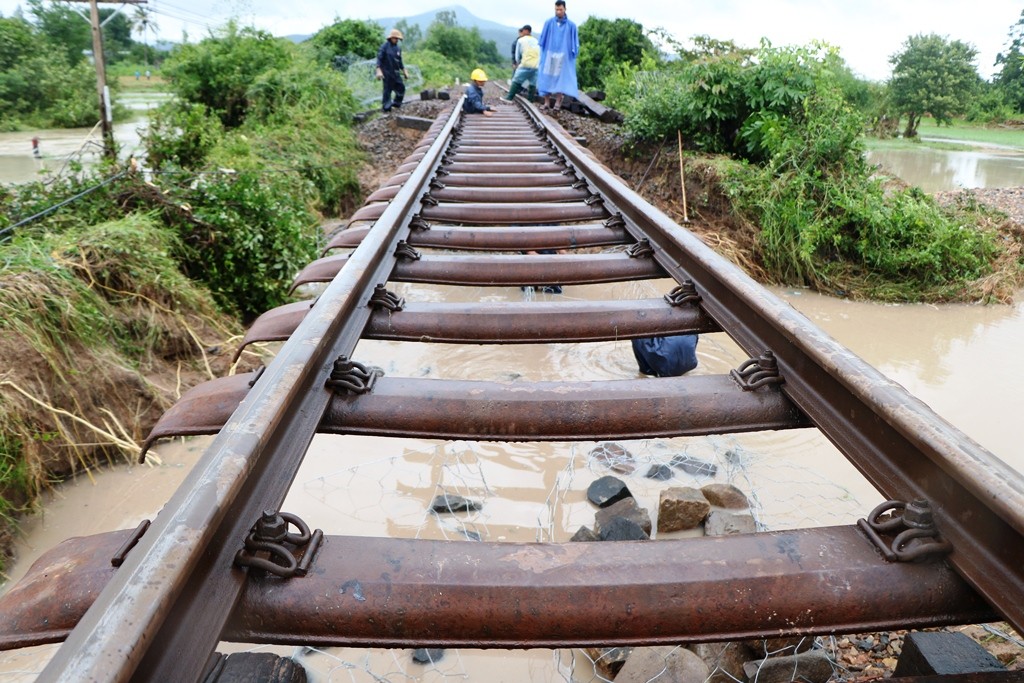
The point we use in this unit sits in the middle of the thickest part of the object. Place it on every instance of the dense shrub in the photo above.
(787, 115)
(218, 71)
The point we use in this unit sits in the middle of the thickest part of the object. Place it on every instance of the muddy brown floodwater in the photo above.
(962, 360)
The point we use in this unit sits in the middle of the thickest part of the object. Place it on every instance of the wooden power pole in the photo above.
(106, 116)
(103, 92)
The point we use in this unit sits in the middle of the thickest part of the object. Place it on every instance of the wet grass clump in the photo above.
(89, 318)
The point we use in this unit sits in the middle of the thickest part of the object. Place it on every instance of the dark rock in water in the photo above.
(627, 508)
(427, 655)
(813, 667)
(726, 660)
(694, 466)
(660, 472)
(454, 504)
(607, 490)
(622, 529)
(584, 534)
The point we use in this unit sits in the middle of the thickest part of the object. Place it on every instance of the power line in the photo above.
(44, 212)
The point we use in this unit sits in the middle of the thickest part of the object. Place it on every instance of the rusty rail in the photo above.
(160, 614)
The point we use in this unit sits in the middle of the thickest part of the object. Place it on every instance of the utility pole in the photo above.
(106, 116)
(103, 92)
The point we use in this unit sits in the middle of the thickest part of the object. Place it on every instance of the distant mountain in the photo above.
(503, 36)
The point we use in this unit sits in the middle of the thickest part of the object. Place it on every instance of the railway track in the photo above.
(472, 207)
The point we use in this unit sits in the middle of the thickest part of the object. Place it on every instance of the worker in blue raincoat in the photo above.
(559, 47)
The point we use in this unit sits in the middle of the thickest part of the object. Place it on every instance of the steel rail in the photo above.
(160, 617)
(902, 446)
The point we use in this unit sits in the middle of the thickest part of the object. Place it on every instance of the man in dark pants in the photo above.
(390, 69)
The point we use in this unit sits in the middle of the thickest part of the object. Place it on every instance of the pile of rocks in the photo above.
(714, 509)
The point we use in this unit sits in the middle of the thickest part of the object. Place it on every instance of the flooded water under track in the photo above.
(959, 359)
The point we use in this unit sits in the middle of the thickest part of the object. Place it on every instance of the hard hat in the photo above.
(395, 33)
(478, 75)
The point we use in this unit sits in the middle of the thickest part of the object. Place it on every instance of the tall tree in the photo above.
(65, 28)
(932, 75)
(412, 32)
(464, 46)
(218, 71)
(607, 43)
(1010, 79)
(142, 23)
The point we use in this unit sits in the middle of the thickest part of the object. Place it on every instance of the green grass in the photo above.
(959, 137)
(981, 135)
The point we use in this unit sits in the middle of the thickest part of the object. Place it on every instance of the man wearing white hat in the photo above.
(390, 69)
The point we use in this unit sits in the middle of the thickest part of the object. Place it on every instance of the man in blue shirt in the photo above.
(390, 69)
(559, 47)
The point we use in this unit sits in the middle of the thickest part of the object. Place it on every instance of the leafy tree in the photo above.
(218, 71)
(704, 47)
(412, 32)
(1010, 79)
(117, 34)
(464, 46)
(142, 23)
(62, 26)
(932, 75)
(447, 18)
(347, 37)
(16, 41)
(606, 43)
(37, 85)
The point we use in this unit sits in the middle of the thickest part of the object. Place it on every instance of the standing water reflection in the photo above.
(935, 170)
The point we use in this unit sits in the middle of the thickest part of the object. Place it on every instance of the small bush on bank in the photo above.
(802, 177)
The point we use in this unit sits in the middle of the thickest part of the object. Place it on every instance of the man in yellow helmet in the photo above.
(474, 102)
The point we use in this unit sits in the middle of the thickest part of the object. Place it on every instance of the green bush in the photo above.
(438, 71)
(825, 222)
(180, 135)
(218, 71)
(247, 235)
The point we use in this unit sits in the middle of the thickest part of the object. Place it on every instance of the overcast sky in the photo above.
(866, 31)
